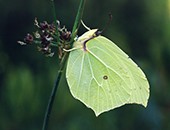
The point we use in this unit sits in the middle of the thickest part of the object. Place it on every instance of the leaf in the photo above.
(102, 76)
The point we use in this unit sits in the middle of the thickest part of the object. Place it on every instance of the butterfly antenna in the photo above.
(85, 25)
(106, 25)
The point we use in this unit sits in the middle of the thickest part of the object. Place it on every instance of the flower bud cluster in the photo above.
(46, 37)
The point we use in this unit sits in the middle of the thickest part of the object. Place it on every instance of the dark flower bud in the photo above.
(66, 35)
(29, 38)
(44, 25)
(44, 41)
(52, 28)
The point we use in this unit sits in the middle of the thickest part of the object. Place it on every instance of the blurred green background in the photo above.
(140, 27)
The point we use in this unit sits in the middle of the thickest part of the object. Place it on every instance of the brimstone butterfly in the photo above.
(102, 76)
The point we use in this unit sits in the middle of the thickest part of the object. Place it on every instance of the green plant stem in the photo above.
(55, 18)
(78, 20)
(53, 93)
(59, 74)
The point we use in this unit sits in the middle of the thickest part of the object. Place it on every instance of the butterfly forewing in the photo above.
(119, 61)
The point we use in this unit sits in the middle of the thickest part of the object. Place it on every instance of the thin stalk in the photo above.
(63, 62)
(55, 21)
(53, 93)
(78, 20)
